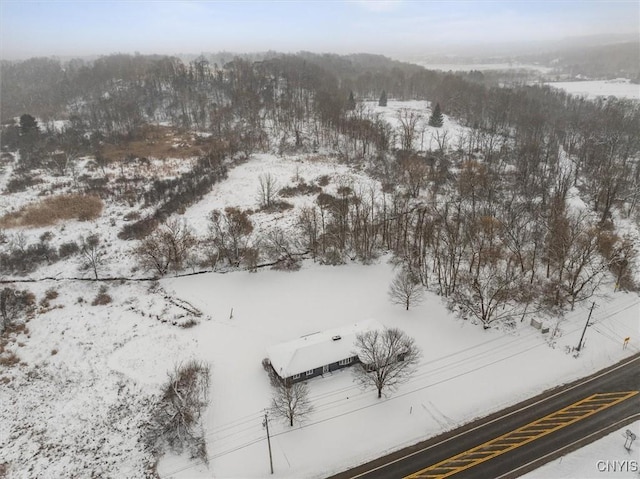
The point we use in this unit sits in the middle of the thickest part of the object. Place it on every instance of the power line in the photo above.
(460, 362)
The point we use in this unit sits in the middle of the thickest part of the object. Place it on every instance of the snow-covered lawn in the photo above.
(82, 392)
(620, 88)
(465, 372)
(606, 458)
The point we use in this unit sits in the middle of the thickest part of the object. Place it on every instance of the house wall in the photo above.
(318, 371)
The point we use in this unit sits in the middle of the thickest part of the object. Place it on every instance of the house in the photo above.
(318, 353)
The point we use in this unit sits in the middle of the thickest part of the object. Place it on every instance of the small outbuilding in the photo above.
(318, 353)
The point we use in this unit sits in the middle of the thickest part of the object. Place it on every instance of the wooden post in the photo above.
(265, 423)
(585, 326)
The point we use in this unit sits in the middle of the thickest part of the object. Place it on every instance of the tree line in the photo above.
(487, 220)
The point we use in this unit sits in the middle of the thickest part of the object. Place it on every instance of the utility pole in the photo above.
(265, 424)
(585, 326)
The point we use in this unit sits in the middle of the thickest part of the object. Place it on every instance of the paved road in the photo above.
(624, 376)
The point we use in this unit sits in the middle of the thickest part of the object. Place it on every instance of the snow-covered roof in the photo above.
(317, 349)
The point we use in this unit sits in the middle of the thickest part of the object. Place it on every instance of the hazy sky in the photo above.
(78, 28)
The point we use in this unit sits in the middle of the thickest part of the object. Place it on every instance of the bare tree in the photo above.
(291, 401)
(179, 241)
(620, 254)
(414, 171)
(282, 248)
(166, 248)
(405, 289)
(388, 358)
(175, 422)
(575, 267)
(230, 233)
(441, 138)
(408, 126)
(309, 223)
(493, 293)
(92, 255)
(268, 190)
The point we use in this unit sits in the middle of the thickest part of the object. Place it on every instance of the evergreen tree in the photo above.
(29, 138)
(351, 102)
(436, 119)
(383, 99)
(28, 124)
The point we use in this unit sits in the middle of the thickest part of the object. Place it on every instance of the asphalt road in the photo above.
(624, 376)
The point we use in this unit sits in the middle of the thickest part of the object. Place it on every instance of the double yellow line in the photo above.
(523, 435)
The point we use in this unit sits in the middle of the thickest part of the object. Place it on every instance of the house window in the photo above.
(344, 362)
(309, 372)
(296, 376)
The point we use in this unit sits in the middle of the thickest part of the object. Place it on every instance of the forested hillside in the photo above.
(509, 203)
(520, 212)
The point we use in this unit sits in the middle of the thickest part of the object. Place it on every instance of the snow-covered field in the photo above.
(620, 88)
(606, 458)
(95, 368)
(241, 189)
(465, 372)
(68, 410)
(86, 375)
(465, 67)
(427, 137)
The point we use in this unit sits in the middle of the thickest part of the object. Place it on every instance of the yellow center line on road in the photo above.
(514, 439)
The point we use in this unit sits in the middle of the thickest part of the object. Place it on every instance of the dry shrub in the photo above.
(68, 249)
(9, 359)
(190, 323)
(101, 298)
(14, 305)
(19, 328)
(302, 188)
(50, 294)
(152, 141)
(323, 180)
(53, 209)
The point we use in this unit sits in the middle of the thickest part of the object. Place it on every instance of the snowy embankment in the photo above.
(465, 372)
(606, 458)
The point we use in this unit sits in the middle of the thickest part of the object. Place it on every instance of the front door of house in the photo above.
(325, 369)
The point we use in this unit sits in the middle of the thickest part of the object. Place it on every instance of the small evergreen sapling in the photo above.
(351, 102)
(383, 99)
(436, 119)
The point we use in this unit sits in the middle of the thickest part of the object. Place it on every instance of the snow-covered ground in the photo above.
(96, 368)
(68, 410)
(241, 189)
(465, 67)
(427, 137)
(620, 88)
(604, 458)
(465, 372)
